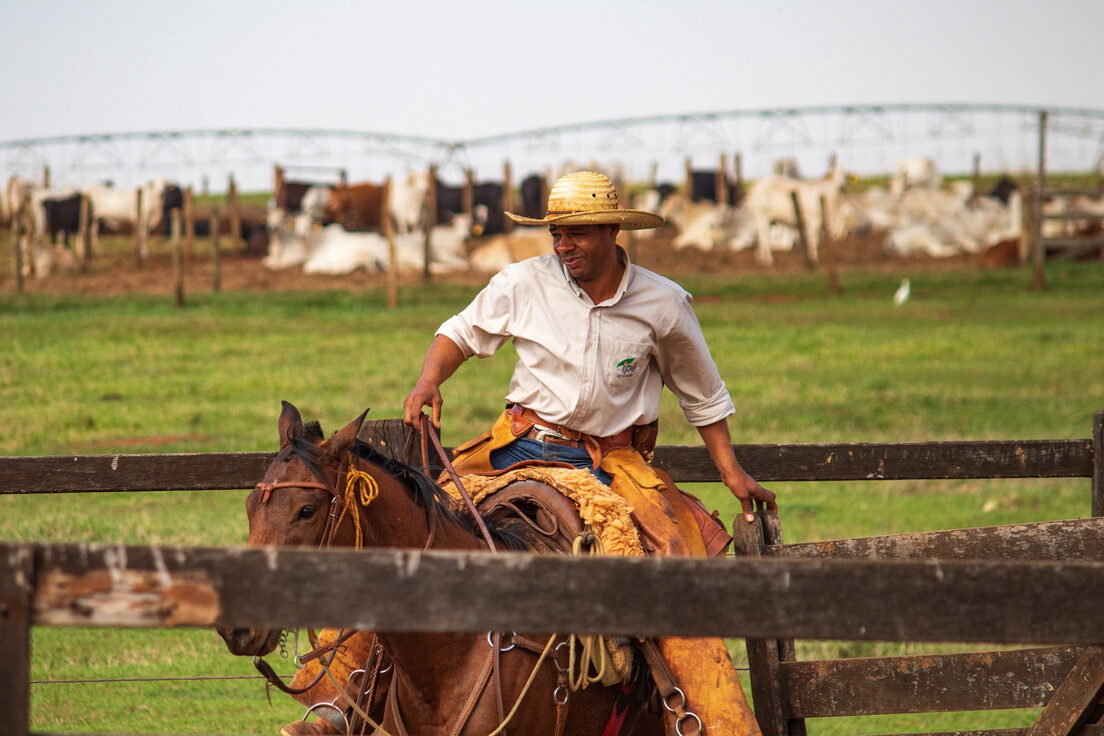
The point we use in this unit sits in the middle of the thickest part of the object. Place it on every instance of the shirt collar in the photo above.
(623, 257)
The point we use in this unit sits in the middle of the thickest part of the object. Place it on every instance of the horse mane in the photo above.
(304, 444)
(513, 535)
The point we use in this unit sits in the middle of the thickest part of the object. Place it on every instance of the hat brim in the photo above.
(627, 219)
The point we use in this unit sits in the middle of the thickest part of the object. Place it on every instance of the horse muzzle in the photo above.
(250, 642)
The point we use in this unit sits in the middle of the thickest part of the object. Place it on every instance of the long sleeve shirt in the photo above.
(595, 368)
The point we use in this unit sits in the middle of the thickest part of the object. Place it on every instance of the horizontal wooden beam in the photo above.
(929, 683)
(406, 590)
(685, 463)
(1073, 539)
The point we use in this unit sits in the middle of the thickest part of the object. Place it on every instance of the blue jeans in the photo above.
(527, 449)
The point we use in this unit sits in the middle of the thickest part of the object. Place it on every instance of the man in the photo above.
(597, 338)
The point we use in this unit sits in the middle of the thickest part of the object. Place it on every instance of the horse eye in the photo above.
(306, 512)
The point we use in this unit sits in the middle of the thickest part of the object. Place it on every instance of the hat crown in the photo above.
(582, 191)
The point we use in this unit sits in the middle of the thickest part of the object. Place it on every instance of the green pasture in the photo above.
(972, 355)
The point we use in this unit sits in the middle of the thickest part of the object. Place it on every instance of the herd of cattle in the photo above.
(338, 228)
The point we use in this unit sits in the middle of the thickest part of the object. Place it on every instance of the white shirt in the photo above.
(594, 368)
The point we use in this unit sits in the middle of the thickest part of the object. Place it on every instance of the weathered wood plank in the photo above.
(148, 472)
(1078, 693)
(15, 639)
(992, 680)
(970, 601)
(686, 464)
(890, 461)
(1075, 539)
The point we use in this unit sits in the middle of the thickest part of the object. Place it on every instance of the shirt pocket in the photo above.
(626, 362)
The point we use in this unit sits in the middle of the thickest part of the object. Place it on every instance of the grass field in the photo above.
(972, 355)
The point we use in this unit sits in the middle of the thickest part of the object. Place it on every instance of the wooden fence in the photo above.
(1023, 584)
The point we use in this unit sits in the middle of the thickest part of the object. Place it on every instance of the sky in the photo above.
(468, 69)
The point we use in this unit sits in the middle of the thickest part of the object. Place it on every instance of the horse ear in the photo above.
(290, 423)
(345, 436)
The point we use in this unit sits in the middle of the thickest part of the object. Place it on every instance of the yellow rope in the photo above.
(587, 643)
(362, 487)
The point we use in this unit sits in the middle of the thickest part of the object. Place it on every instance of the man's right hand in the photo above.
(424, 394)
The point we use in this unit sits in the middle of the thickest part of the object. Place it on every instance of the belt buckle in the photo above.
(543, 433)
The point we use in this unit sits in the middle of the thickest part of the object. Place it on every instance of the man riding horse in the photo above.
(597, 339)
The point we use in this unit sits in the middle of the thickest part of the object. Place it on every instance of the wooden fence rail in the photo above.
(1018, 584)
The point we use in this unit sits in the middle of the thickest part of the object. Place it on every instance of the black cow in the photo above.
(450, 201)
(62, 216)
(1003, 189)
(703, 186)
(532, 197)
(290, 196)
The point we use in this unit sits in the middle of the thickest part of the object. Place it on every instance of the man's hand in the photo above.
(441, 361)
(752, 496)
(424, 394)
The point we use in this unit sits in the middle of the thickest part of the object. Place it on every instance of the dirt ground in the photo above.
(118, 273)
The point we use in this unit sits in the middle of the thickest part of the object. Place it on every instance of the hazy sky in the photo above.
(465, 69)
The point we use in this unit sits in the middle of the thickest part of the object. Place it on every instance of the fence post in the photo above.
(177, 260)
(216, 256)
(392, 251)
(16, 574)
(1039, 254)
(749, 540)
(141, 244)
(234, 203)
(17, 250)
(189, 222)
(721, 185)
(1098, 464)
(689, 180)
(468, 201)
(806, 246)
(84, 250)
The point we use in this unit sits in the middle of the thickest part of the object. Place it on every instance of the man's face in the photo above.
(588, 251)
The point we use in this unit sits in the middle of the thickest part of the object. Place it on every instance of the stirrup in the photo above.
(334, 716)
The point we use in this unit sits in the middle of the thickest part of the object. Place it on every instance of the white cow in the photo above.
(915, 172)
(114, 207)
(499, 251)
(15, 198)
(770, 200)
(334, 251)
(407, 200)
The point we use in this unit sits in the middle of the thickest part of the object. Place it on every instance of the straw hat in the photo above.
(588, 198)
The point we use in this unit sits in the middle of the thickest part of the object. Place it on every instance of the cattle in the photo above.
(334, 250)
(15, 198)
(533, 201)
(495, 253)
(703, 187)
(450, 201)
(356, 207)
(771, 200)
(915, 172)
(113, 207)
(289, 196)
(406, 201)
(1004, 188)
(61, 217)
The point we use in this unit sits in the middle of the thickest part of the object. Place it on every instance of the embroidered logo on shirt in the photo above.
(627, 368)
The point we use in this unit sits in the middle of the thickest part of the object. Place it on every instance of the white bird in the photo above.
(902, 294)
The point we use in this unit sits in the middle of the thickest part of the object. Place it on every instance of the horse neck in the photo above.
(396, 518)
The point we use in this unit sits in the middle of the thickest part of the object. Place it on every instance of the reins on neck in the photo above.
(427, 434)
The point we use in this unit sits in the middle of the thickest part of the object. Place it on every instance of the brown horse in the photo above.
(441, 683)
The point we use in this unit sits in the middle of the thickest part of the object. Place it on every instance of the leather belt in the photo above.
(525, 422)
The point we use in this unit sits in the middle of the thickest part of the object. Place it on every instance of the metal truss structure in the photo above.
(867, 139)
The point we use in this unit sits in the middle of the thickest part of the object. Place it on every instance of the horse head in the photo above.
(294, 504)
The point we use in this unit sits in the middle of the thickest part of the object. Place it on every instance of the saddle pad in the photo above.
(606, 513)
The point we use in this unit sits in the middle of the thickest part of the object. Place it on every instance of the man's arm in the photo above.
(719, 443)
(441, 361)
